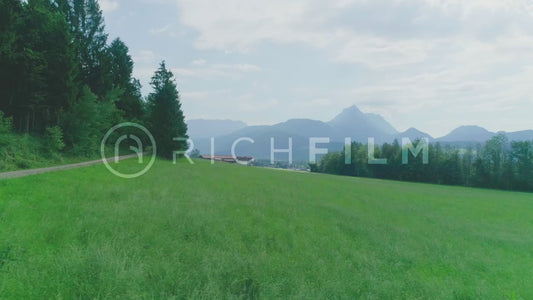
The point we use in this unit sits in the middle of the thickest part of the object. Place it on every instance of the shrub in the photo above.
(5, 124)
(195, 153)
(18, 152)
(85, 123)
(53, 140)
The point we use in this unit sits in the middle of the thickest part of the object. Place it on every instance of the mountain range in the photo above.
(351, 122)
(200, 129)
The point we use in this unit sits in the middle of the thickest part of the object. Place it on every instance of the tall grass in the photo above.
(231, 232)
(20, 152)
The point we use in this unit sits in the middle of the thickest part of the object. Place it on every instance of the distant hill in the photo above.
(525, 135)
(306, 128)
(351, 122)
(467, 134)
(359, 126)
(380, 123)
(199, 129)
(299, 130)
(413, 134)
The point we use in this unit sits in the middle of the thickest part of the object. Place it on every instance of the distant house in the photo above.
(229, 159)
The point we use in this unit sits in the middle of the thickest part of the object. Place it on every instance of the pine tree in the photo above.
(87, 26)
(522, 156)
(37, 64)
(62, 71)
(122, 64)
(166, 117)
(130, 100)
(10, 14)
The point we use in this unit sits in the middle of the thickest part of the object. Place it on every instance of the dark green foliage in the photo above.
(122, 65)
(331, 163)
(10, 14)
(56, 69)
(87, 27)
(195, 153)
(130, 101)
(492, 163)
(38, 65)
(22, 151)
(166, 118)
(85, 122)
(79, 123)
(521, 158)
(5, 124)
(497, 164)
(18, 151)
(53, 140)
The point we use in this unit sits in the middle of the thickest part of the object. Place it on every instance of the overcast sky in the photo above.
(429, 64)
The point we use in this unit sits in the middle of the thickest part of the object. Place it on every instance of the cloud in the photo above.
(160, 30)
(109, 6)
(376, 33)
(147, 61)
(430, 61)
(321, 102)
(201, 69)
(145, 57)
(213, 104)
(199, 62)
(376, 52)
(238, 25)
(195, 95)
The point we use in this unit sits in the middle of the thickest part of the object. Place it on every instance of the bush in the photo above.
(5, 124)
(25, 151)
(53, 140)
(195, 154)
(86, 122)
(18, 152)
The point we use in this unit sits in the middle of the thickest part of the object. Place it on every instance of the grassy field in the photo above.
(226, 231)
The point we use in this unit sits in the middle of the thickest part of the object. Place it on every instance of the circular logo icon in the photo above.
(138, 148)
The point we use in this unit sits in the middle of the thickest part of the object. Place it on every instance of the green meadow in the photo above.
(231, 232)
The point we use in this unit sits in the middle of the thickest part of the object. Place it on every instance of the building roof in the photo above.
(228, 158)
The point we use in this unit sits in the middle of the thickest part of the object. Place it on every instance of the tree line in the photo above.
(498, 164)
(61, 78)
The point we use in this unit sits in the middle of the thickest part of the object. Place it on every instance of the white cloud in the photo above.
(201, 69)
(108, 5)
(195, 95)
(467, 7)
(241, 25)
(145, 57)
(378, 52)
(321, 102)
(414, 61)
(238, 25)
(160, 30)
(199, 62)
(214, 104)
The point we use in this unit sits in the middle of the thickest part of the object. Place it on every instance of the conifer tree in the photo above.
(166, 117)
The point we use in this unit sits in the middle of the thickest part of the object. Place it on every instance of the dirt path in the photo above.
(24, 173)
